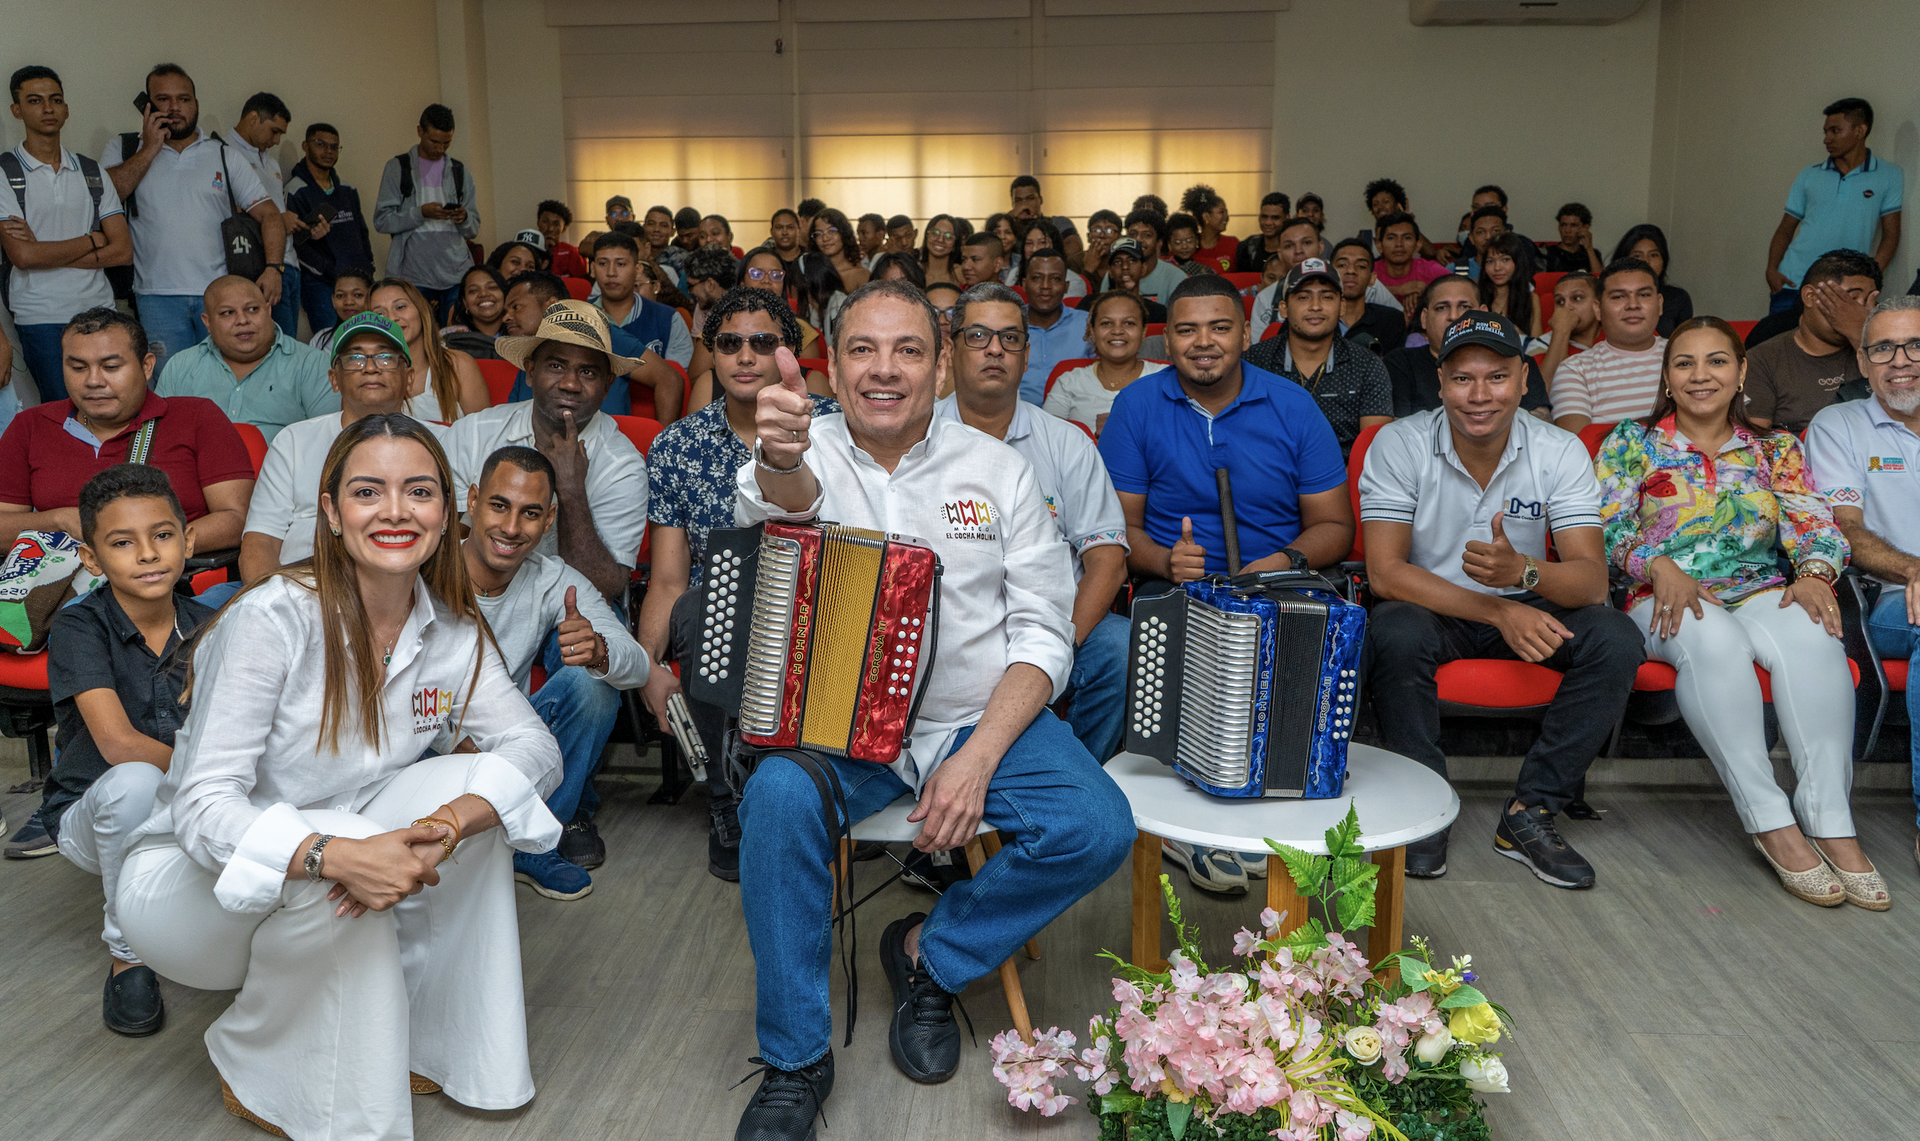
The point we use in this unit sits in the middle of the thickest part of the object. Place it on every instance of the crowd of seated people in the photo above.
(1573, 471)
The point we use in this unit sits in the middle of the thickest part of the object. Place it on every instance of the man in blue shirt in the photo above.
(1054, 332)
(1849, 202)
(1168, 435)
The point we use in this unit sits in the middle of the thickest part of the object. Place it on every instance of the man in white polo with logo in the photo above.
(1864, 455)
(984, 746)
(1457, 505)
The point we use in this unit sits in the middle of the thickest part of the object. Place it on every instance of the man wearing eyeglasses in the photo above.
(690, 492)
(991, 350)
(370, 362)
(1864, 456)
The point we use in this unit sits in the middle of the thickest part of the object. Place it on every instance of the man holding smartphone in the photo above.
(331, 231)
(427, 203)
(263, 123)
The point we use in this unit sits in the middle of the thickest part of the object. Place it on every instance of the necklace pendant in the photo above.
(386, 659)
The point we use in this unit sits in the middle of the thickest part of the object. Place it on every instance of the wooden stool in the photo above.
(890, 825)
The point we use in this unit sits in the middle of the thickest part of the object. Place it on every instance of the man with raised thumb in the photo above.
(544, 612)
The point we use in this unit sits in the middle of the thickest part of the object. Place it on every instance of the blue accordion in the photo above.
(1247, 688)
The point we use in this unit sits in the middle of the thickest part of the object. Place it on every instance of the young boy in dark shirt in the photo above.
(116, 665)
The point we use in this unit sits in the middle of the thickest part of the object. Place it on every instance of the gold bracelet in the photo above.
(444, 841)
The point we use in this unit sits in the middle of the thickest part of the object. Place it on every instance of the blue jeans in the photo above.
(580, 710)
(172, 323)
(286, 311)
(316, 297)
(1784, 299)
(40, 344)
(1099, 681)
(1895, 638)
(442, 301)
(1071, 829)
(219, 594)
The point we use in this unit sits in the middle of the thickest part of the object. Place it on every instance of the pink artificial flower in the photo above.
(1029, 1072)
(1270, 921)
(1126, 994)
(1245, 943)
(1353, 1126)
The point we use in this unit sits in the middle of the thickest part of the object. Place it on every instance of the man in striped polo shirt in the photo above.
(1618, 378)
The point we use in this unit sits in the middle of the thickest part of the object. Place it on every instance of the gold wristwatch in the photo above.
(1530, 577)
(1820, 569)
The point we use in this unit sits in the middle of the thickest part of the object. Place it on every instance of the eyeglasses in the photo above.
(947, 234)
(729, 344)
(979, 336)
(361, 362)
(1885, 351)
(826, 230)
(776, 276)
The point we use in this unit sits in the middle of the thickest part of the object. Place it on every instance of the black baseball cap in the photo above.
(1483, 328)
(1128, 247)
(1309, 269)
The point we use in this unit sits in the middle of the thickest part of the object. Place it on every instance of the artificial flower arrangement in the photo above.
(1304, 1042)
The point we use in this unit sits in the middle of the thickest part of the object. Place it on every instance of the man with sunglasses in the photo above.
(690, 492)
(1864, 456)
(991, 347)
(369, 371)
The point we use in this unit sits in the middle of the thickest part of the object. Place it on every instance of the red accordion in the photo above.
(818, 636)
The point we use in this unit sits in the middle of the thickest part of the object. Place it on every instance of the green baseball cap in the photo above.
(370, 322)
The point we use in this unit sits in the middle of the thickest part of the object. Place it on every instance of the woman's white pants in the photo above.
(1720, 698)
(332, 1013)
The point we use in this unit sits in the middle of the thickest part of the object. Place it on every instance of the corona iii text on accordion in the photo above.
(1247, 688)
(819, 637)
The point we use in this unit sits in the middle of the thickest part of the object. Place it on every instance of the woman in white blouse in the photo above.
(1116, 328)
(296, 848)
(443, 383)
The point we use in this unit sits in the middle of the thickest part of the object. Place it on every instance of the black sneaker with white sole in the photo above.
(31, 842)
(784, 1106)
(1529, 836)
(1427, 859)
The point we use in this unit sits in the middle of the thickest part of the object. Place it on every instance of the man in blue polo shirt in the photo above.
(1054, 332)
(1171, 431)
(1849, 202)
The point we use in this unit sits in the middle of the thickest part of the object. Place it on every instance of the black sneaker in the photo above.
(131, 1004)
(31, 842)
(926, 872)
(924, 1037)
(1427, 859)
(723, 839)
(784, 1106)
(581, 845)
(1530, 837)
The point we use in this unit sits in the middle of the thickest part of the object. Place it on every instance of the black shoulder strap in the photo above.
(232, 202)
(129, 143)
(406, 174)
(459, 180)
(90, 170)
(16, 178)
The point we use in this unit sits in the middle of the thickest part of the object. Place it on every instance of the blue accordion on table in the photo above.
(1247, 687)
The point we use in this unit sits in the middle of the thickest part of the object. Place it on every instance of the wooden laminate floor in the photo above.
(1685, 997)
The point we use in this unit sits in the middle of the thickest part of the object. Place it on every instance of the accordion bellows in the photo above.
(1247, 690)
(817, 636)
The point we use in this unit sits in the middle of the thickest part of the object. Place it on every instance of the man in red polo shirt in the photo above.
(50, 451)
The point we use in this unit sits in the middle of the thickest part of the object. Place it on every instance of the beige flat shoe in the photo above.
(1863, 889)
(1817, 885)
(234, 1107)
(421, 1085)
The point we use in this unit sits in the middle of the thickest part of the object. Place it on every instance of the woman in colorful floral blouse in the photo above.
(1699, 507)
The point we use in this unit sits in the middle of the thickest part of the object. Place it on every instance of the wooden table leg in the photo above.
(1284, 897)
(990, 842)
(1147, 903)
(1389, 901)
(1009, 975)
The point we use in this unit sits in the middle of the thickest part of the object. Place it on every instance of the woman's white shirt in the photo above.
(249, 760)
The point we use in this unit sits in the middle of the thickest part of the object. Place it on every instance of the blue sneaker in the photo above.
(31, 842)
(551, 876)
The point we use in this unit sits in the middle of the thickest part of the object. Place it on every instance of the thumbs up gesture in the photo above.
(1188, 559)
(579, 644)
(1494, 564)
(783, 414)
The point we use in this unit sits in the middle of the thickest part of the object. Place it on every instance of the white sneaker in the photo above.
(1209, 868)
(1254, 862)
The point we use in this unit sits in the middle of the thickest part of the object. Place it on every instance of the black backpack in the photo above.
(453, 166)
(121, 276)
(17, 178)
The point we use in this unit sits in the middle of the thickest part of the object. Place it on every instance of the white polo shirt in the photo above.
(182, 201)
(1073, 478)
(286, 497)
(266, 167)
(59, 206)
(1413, 475)
(1861, 457)
(616, 472)
(1006, 587)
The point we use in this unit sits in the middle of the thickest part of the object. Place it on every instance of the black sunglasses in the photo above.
(729, 344)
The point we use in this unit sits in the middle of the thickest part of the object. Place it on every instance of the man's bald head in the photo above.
(232, 281)
(237, 318)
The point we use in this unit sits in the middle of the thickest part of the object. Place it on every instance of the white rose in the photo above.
(1363, 1042)
(1485, 1074)
(1433, 1047)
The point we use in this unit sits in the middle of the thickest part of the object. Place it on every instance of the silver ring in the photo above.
(1664, 609)
(795, 433)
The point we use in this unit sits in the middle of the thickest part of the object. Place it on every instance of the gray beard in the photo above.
(1904, 403)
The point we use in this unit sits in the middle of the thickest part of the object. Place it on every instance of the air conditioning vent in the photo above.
(1452, 12)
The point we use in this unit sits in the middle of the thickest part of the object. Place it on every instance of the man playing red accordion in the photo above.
(984, 746)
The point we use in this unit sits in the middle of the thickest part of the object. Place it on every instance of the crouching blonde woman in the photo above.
(303, 848)
(1700, 507)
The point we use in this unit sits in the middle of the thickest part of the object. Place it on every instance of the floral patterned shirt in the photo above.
(691, 471)
(1722, 518)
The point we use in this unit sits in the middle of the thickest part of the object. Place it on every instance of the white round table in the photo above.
(1399, 801)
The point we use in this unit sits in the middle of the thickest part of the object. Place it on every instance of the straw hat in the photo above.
(569, 323)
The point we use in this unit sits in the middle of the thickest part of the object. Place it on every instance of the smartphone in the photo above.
(315, 218)
(140, 103)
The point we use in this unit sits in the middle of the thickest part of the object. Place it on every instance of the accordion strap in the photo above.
(833, 811)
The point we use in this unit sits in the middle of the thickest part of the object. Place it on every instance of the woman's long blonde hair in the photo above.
(446, 383)
(352, 667)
